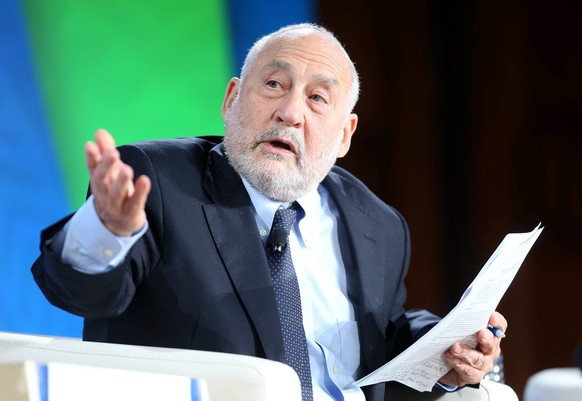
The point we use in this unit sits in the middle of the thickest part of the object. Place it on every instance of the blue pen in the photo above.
(497, 332)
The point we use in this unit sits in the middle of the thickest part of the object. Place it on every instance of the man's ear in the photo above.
(347, 132)
(230, 95)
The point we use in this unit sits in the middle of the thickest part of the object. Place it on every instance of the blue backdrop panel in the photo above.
(251, 19)
(31, 193)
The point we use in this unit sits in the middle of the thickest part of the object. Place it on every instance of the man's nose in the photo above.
(291, 110)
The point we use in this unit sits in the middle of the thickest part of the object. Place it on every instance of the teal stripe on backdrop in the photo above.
(31, 193)
(32, 190)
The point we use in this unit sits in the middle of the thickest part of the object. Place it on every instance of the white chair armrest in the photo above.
(563, 384)
(487, 391)
(228, 376)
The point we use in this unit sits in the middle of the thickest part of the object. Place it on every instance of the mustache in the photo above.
(281, 133)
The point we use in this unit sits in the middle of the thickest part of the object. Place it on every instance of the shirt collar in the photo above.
(266, 208)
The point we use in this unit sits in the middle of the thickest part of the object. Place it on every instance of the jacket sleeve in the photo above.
(106, 294)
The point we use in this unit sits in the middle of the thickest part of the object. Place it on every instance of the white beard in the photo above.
(287, 184)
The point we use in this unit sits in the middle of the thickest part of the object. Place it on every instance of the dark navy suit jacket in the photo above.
(199, 279)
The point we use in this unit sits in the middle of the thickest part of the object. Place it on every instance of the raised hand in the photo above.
(119, 201)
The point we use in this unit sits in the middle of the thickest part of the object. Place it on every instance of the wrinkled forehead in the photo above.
(312, 51)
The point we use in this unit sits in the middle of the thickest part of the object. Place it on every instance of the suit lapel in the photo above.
(367, 273)
(232, 224)
(363, 240)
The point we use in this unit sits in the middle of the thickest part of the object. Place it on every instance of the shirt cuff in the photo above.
(90, 247)
(446, 387)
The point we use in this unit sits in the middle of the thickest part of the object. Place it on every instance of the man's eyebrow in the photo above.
(288, 67)
(280, 65)
(326, 80)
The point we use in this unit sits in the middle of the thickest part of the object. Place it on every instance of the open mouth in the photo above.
(280, 146)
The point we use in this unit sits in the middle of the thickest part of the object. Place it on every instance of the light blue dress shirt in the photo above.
(328, 315)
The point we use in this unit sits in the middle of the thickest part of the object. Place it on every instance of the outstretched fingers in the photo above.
(119, 202)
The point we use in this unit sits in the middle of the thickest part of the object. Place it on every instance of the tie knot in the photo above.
(285, 217)
(281, 227)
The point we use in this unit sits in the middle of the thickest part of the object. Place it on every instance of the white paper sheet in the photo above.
(423, 364)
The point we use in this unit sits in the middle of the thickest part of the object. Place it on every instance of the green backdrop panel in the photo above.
(141, 69)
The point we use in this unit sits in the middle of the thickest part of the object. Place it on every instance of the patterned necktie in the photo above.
(288, 296)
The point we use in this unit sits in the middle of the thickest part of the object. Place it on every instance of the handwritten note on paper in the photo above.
(423, 363)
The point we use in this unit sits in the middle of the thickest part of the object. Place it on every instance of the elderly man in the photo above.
(256, 245)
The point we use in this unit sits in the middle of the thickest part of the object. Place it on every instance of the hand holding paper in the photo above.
(424, 362)
(469, 364)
